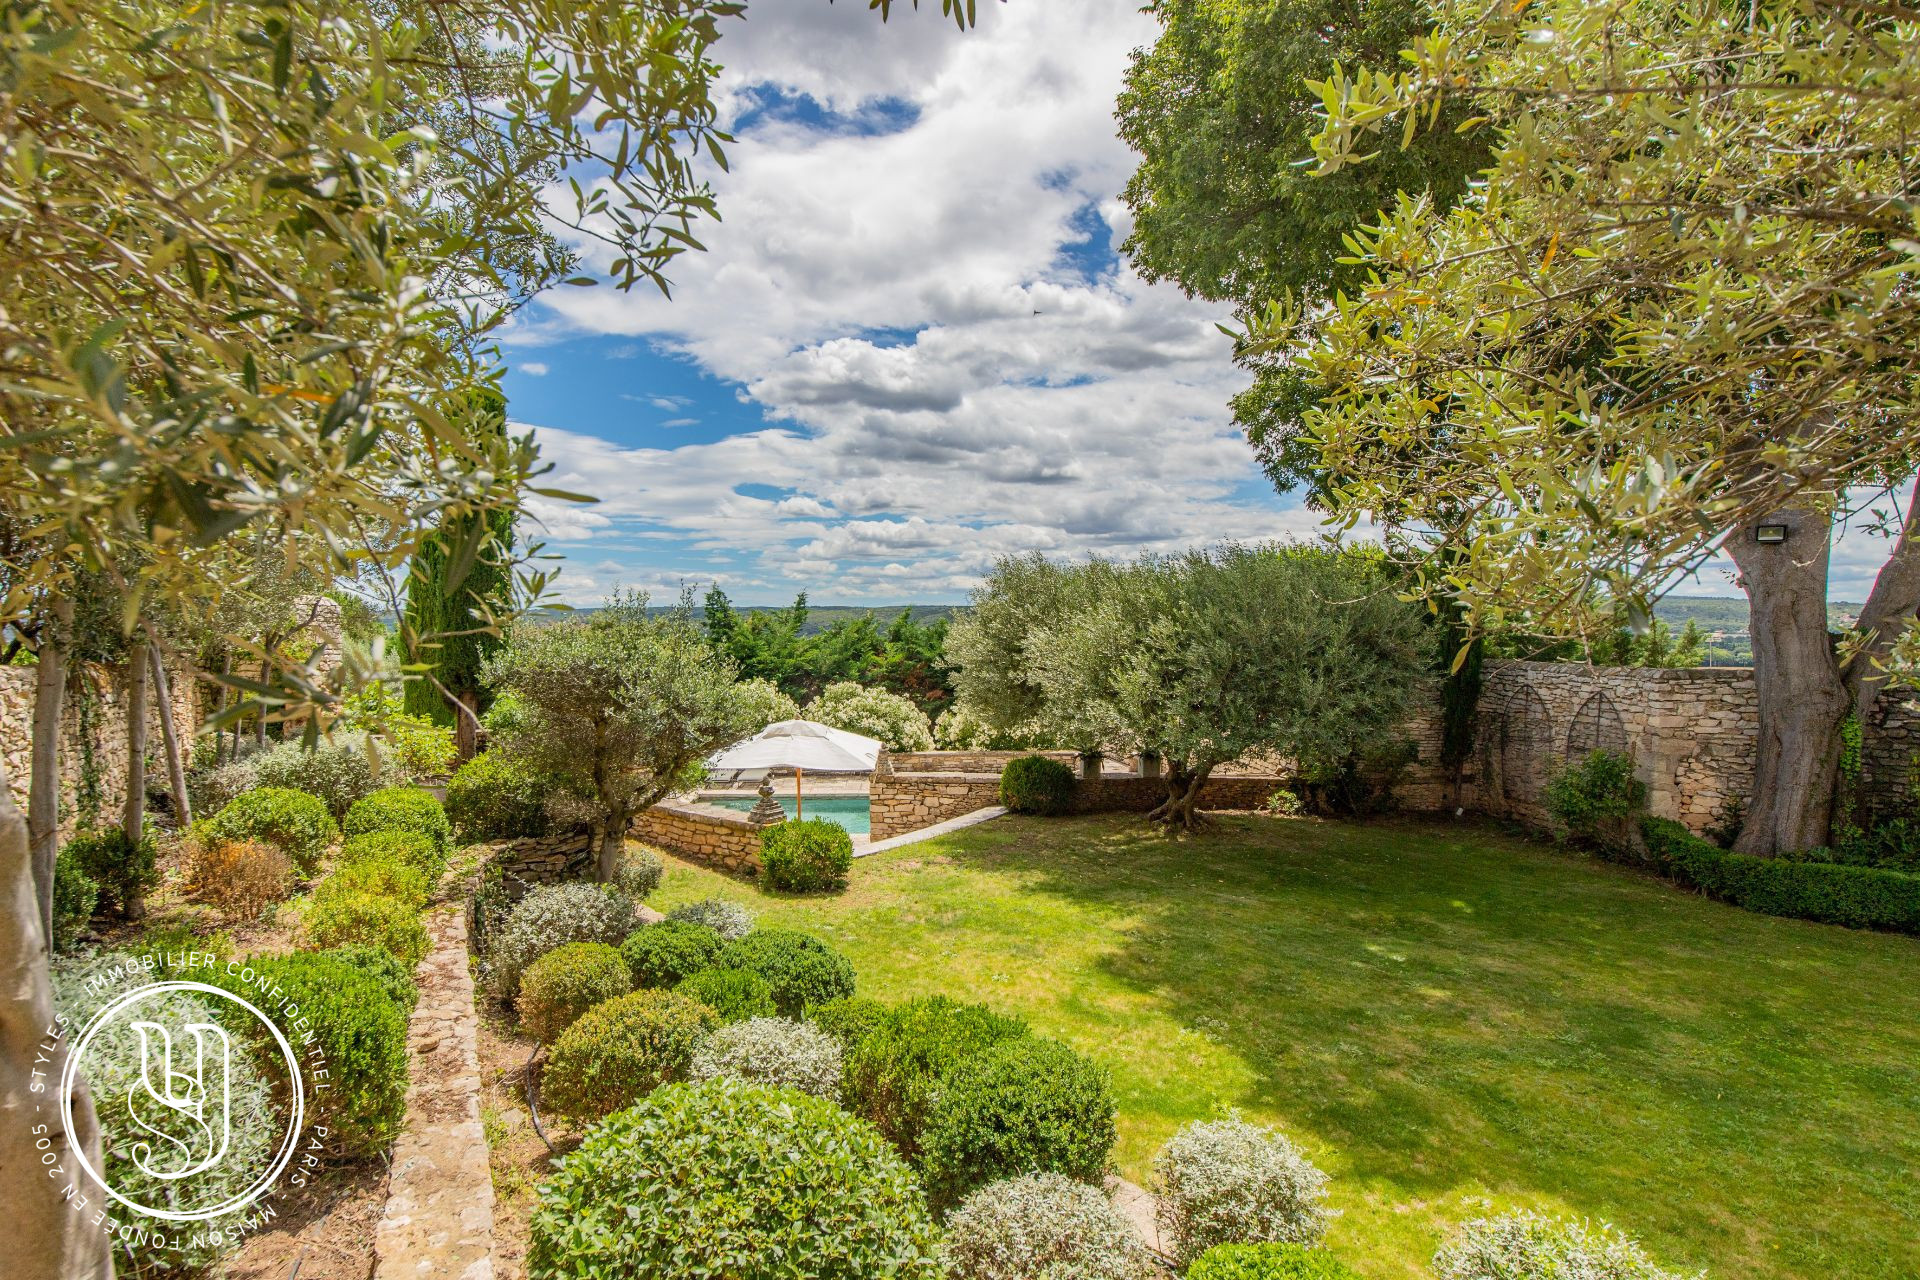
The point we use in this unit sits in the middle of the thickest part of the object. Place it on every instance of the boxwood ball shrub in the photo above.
(1021, 1106)
(1230, 1182)
(669, 952)
(382, 877)
(368, 919)
(895, 1064)
(1269, 1262)
(122, 870)
(802, 969)
(400, 809)
(726, 1180)
(115, 1069)
(734, 994)
(294, 822)
(1529, 1244)
(551, 916)
(356, 1027)
(1036, 784)
(1042, 1226)
(771, 1051)
(492, 798)
(414, 848)
(393, 977)
(806, 857)
(565, 983)
(728, 919)
(618, 1052)
(848, 1020)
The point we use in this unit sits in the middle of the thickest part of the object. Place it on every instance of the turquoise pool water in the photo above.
(848, 811)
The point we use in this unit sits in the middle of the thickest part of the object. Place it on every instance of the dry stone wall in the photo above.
(719, 838)
(95, 728)
(1691, 733)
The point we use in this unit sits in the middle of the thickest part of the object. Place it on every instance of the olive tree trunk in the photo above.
(40, 1180)
(1802, 699)
(1180, 808)
(170, 741)
(133, 809)
(43, 798)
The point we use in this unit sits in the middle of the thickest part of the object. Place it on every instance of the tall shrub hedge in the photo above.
(1036, 784)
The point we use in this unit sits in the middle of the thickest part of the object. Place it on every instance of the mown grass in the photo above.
(1450, 1019)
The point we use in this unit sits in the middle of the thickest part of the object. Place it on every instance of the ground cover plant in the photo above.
(1438, 1016)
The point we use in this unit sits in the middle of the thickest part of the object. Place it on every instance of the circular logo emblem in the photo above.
(179, 1100)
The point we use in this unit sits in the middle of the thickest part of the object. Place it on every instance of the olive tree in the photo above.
(1676, 320)
(617, 709)
(1305, 652)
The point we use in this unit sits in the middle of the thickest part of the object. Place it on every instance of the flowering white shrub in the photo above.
(728, 919)
(1043, 1226)
(767, 702)
(771, 1051)
(1531, 1246)
(1230, 1182)
(874, 713)
(551, 916)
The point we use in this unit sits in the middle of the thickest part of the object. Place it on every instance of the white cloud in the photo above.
(532, 368)
(947, 383)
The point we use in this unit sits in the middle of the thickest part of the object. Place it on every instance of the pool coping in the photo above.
(973, 819)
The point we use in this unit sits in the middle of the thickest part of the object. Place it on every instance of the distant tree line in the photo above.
(907, 657)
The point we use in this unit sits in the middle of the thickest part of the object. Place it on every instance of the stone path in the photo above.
(937, 829)
(439, 1215)
(1136, 1205)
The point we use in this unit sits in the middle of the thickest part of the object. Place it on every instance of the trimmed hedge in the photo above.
(294, 822)
(75, 895)
(669, 952)
(415, 848)
(1029, 1105)
(358, 1030)
(1269, 1262)
(400, 809)
(382, 877)
(727, 1180)
(379, 964)
(566, 982)
(368, 919)
(1827, 892)
(122, 870)
(802, 969)
(901, 1054)
(849, 1020)
(805, 857)
(1036, 784)
(620, 1051)
(735, 994)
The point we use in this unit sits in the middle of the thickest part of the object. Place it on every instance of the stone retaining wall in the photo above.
(903, 802)
(107, 736)
(964, 761)
(723, 839)
(537, 860)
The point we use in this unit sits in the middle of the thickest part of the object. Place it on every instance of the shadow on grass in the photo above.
(1452, 1011)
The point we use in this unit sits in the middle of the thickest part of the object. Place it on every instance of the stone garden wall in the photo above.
(1691, 733)
(723, 839)
(538, 860)
(93, 742)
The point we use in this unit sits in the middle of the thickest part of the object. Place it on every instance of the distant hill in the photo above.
(822, 616)
(1724, 619)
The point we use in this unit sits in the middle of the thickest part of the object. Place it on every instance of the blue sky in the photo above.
(911, 346)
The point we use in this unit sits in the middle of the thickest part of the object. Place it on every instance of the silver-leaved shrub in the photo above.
(1230, 1182)
(772, 1051)
(552, 916)
(1532, 1246)
(1042, 1226)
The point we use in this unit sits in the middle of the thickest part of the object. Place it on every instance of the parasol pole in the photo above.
(799, 810)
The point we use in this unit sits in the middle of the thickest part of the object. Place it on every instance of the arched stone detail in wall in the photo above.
(1597, 726)
(1526, 746)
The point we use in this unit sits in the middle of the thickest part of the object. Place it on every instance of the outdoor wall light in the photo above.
(1770, 534)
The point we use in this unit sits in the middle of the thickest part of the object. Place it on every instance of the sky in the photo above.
(911, 346)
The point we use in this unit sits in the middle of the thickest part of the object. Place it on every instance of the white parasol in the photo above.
(799, 745)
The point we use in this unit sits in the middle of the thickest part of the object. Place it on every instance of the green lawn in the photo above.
(1448, 1018)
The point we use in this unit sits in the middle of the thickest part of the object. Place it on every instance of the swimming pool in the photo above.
(850, 812)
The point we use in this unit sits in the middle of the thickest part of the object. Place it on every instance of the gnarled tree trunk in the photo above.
(1180, 809)
(1802, 699)
(50, 1235)
(1888, 612)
